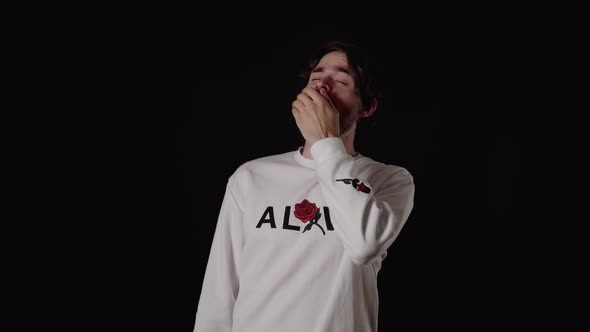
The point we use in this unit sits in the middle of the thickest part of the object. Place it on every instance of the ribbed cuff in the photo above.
(327, 148)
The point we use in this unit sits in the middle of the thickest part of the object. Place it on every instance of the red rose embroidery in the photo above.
(356, 185)
(305, 211)
(363, 188)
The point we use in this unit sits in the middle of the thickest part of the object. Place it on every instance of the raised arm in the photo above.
(368, 216)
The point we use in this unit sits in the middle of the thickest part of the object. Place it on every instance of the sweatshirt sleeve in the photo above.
(221, 281)
(369, 216)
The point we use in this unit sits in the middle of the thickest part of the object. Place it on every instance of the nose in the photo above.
(319, 84)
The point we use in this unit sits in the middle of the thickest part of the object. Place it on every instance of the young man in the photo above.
(301, 235)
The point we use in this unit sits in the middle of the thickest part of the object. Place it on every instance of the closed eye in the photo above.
(341, 82)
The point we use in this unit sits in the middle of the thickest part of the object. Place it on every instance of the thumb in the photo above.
(324, 93)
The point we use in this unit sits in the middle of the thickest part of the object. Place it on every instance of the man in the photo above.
(301, 235)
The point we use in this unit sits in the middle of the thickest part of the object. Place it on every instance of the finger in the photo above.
(305, 101)
(304, 94)
(324, 93)
(296, 115)
(313, 94)
(318, 97)
(298, 104)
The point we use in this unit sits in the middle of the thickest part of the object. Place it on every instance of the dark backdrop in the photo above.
(113, 186)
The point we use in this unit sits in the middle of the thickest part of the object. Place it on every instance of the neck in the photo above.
(346, 137)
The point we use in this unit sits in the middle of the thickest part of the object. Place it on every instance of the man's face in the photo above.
(334, 73)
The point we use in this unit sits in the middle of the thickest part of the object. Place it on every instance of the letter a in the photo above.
(271, 218)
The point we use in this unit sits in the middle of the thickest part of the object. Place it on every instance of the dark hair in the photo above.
(358, 60)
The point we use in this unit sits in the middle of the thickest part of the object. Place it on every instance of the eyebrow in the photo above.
(337, 68)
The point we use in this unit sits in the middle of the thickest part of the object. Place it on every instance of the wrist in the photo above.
(327, 148)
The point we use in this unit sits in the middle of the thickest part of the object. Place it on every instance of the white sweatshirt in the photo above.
(299, 242)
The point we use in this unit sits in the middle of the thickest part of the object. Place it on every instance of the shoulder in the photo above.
(261, 166)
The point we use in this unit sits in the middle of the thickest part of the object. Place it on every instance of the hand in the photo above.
(315, 115)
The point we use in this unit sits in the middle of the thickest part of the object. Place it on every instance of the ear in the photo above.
(367, 112)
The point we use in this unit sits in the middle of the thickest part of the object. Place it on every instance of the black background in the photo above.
(119, 136)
